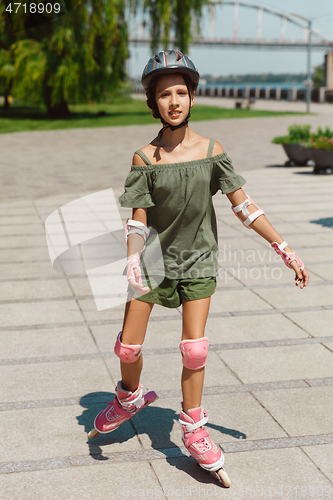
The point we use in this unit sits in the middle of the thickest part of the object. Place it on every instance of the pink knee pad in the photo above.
(194, 353)
(127, 353)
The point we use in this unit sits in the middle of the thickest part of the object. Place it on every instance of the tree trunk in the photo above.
(60, 110)
(6, 104)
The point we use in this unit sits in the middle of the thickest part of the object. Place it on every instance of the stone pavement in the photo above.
(269, 378)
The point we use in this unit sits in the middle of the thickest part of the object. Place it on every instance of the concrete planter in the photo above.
(323, 161)
(297, 154)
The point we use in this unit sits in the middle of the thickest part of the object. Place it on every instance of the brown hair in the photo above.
(151, 92)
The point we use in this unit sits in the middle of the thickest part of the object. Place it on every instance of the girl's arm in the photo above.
(264, 228)
(135, 244)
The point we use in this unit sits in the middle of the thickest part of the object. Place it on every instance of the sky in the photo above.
(225, 61)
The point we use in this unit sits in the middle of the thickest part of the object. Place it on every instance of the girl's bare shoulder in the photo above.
(218, 149)
(137, 160)
(202, 144)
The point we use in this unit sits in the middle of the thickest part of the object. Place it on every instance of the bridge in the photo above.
(140, 36)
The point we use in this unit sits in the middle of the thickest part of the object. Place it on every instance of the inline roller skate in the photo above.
(124, 405)
(198, 443)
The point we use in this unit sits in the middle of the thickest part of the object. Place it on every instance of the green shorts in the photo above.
(172, 293)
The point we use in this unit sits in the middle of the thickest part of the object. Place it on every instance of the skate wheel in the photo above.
(93, 433)
(223, 477)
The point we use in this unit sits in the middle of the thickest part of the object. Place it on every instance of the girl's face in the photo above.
(172, 98)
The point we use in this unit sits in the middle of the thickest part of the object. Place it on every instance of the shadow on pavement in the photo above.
(154, 421)
(328, 222)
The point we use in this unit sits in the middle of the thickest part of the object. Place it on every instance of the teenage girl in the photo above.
(170, 188)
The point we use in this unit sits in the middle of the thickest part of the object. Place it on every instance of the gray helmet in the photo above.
(169, 61)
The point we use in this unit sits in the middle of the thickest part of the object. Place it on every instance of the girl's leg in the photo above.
(195, 314)
(133, 333)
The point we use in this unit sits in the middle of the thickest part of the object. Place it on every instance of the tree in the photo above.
(175, 13)
(7, 38)
(81, 55)
(318, 77)
(77, 57)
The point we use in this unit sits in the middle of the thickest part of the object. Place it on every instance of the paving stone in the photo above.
(226, 280)
(158, 426)
(28, 270)
(81, 286)
(90, 312)
(16, 229)
(38, 289)
(321, 456)
(316, 323)
(310, 227)
(23, 241)
(62, 379)
(28, 434)
(323, 270)
(19, 219)
(118, 480)
(46, 342)
(161, 312)
(313, 255)
(232, 418)
(239, 417)
(301, 412)
(39, 313)
(299, 242)
(14, 255)
(319, 295)
(237, 300)
(255, 474)
(329, 345)
(328, 237)
(252, 328)
(304, 216)
(279, 363)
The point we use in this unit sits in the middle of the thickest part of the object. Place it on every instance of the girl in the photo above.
(170, 188)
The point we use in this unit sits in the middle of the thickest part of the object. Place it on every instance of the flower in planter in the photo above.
(322, 143)
(322, 139)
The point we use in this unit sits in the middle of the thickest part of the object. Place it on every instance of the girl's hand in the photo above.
(134, 277)
(301, 276)
(136, 285)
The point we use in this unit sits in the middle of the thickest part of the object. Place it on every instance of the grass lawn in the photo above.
(20, 118)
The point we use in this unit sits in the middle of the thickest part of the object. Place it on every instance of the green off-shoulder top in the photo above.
(178, 198)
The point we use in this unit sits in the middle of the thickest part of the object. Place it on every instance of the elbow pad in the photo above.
(243, 207)
(137, 228)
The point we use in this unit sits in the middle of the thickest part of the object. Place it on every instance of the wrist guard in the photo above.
(287, 257)
(133, 263)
